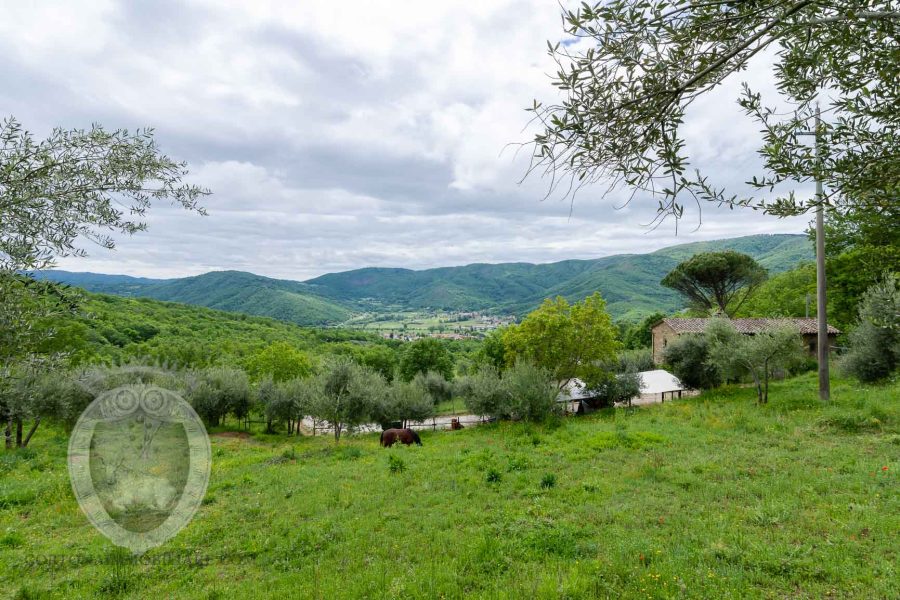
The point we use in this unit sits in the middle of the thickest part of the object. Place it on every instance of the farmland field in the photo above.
(707, 497)
(423, 322)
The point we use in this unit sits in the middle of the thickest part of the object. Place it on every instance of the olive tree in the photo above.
(875, 343)
(434, 384)
(483, 393)
(80, 185)
(627, 86)
(525, 392)
(688, 358)
(75, 186)
(760, 355)
(218, 391)
(531, 392)
(405, 402)
(345, 394)
(29, 310)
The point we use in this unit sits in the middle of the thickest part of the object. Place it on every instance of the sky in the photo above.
(340, 136)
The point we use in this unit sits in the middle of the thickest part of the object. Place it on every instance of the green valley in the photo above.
(630, 284)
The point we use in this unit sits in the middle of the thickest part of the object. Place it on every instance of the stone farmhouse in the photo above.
(665, 331)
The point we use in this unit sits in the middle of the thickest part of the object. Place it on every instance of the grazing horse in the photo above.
(406, 436)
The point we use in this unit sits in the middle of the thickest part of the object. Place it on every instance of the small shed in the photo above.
(658, 385)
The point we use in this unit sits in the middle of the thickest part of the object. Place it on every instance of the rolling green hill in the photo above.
(114, 328)
(233, 291)
(630, 284)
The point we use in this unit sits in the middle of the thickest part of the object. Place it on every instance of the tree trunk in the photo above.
(9, 442)
(759, 391)
(766, 379)
(37, 421)
(19, 432)
(337, 432)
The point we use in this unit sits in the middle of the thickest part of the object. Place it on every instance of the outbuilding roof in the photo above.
(747, 325)
(659, 381)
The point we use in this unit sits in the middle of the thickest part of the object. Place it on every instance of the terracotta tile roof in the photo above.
(747, 325)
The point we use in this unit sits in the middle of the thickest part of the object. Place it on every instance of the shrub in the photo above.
(530, 392)
(875, 343)
(688, 359)
(493, 476)
(608, 389)
(396, 464)
(483, 393)
(548, 481)
(524, 393)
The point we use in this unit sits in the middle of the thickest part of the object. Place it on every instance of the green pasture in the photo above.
(706, 497)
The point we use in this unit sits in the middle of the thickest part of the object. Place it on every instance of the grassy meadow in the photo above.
(706, 497)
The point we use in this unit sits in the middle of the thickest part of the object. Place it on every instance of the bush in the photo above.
(688, 359)
(483, 393)
(530, 392)
(875, 343)
(396, 464)
(524, 393)
(608, 389)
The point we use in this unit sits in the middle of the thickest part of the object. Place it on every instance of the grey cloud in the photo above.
(379, 144)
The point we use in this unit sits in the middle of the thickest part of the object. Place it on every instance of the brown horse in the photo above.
(406, 436)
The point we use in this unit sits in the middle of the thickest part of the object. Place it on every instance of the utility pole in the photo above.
(821, 309)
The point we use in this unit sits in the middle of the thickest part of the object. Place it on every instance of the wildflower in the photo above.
(884, 468)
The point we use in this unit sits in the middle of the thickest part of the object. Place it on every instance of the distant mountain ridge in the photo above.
(629, 282)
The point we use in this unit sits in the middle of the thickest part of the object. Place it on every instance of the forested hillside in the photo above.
(119, 329)
(630, 284)
(233, 291)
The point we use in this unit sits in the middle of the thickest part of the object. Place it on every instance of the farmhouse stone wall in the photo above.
(663, 335)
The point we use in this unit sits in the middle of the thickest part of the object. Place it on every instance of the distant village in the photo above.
(451, 325)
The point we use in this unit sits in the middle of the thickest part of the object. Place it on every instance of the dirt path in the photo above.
(437, 423)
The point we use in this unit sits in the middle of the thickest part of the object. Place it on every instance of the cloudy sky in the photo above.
(337, 136)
